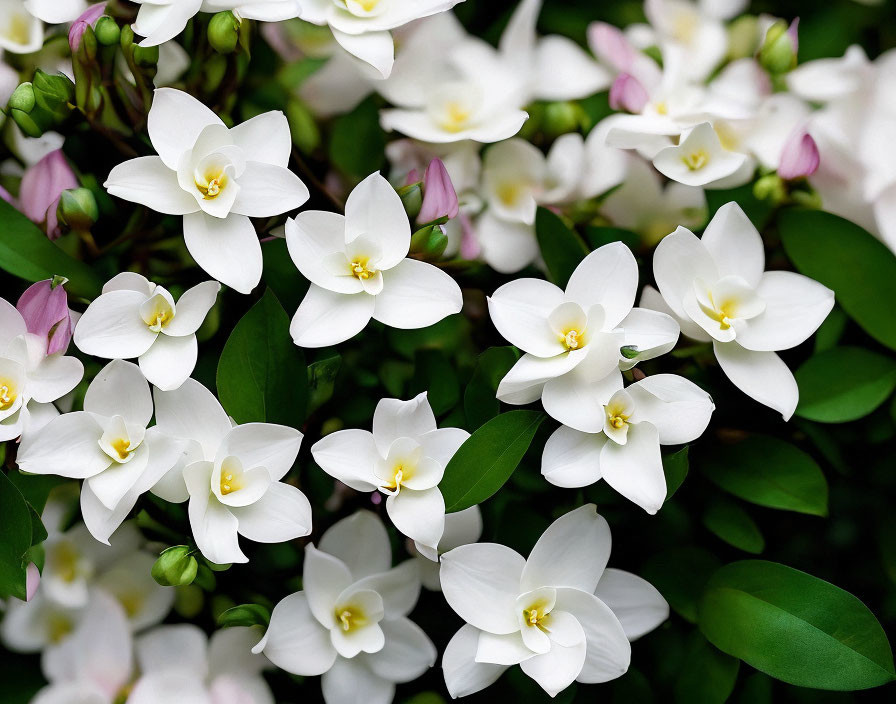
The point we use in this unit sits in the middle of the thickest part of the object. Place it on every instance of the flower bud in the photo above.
(439, 196)
(22, 110)
(78, 209)
(560, 118)
(107, 31)
(430, 242)
(44, 306)
(628, 94)
(41, 189)
(224, 32)
(32, 581)
(175, 567)
(799, 157)
(779, 50)
(771, 188)
(469, 244)
(412, 198)
(80, 25)
(146, 55)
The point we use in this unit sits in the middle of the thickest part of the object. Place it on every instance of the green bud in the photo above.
(560, 118)
(224, 32)
(778, 53)
(302, 126)
(215, 68)
(205, 578)
(146, 55)
(53, 92)
(412, 197)
(743, 37)
(78, 209)
(88, 47)
(188, 601)
(771, 188)
(40, 105)
(175, 567)
(430, 241)
(245, 615)
(22, 98)
(806, 198)
(107, 31)
(127, 37)
(629, 351)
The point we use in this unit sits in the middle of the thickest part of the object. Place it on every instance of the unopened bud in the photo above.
(224, 32)
(771, 188)
(175, 567)
(78, 209)
(146, 55)
(799, 157)
(628, 94)
(107, 31)
(412, 198)
(560, 118)
(439, 196)
(429, 241)
(778, 52)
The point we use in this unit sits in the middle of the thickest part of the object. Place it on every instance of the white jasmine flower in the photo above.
(699, 159)
(217, 178)
(350, 623)
(232, 475)
(573, 339)
(404, 457)
(161, 20)
(542, 613)
(137, 318)
(362, 27)
(108, 445)
(664, 409)
(717, 289)
(359, 269)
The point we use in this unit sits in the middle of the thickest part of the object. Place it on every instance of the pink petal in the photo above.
(799, 157)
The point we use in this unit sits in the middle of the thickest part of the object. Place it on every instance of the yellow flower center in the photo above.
(58, 627)
(535, 614)
(16, 29)
(350, 618)
(456, 116)
(158, 314)
(696, 160)
(230, 482)
(662, 108)
(368, 5)
(360, 269)
(212, 183)
(122, 446)
(7, 394)
(571, 340)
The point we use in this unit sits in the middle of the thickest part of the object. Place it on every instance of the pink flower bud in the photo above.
(45, 310)
(42, 185)
(799, 157)
(611, 45)
(469, 245)
(793, 33)
(32, 580)
(412, 177)
(80, 25)
(628, 94)
(439, 196)
(4, 194)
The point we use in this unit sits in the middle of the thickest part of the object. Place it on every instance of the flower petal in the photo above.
(68, 446)
(348, 455)
(420, 515)
(394, 419)
(558, 668)
(170, 361)
(112, 328)
(325, 578)
(507, 649)
(399, 588)
(226, 248)
(571, 458)
(635, 469)
(175, 121)
(265, 138)
(295, 641)
(214, 526)
(576, 401)
(150, 182)
(347, 679)
(416, 295)
(191, 309)
(734, 244)
(192, 412)
(316, 242)
(762, 376)
(407, 654)
(266, 189)
(274, 447)
(607, 277)
(374, 209)
(634, 601)
(679, 259)
(282, 513)
(120, 390)
(679, 409)
(326, 318)
(463, 675)
(361, 542)
(520, 311)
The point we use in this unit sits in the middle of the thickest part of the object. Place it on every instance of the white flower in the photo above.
(542, 613)
(461, 528)
(573, 339)
(21, 21)
(362, 27)
(359, 269)
(180, 663)
(699, 159)
(217, 178)
(664, 409)
(717, 289)
(232, 475)
(350, 623)
(137, 318)
(108, 445)
(30, 380)
(404, 457)
(161, 20)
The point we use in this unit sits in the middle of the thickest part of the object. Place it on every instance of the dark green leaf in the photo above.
(487, 459)
(281, 275)
(434, 374)
(245, 615)
(844, 384)
(795, 627)
(36, 487)
(729, 522)
(38, 532)
(599, 236)
(26, 252)
(357, 142)
(261, 375)
(707, 676)
(15, 539)
(769, 472)
(321, 380)
(680, 574)
(831, 330)
(675, 465)
(561, 248)
(480, 403)
(844, 257)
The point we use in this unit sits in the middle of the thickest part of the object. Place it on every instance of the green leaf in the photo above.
(26, 252)
(707, 675)
(321, 381)
(561, 248)
(38, 532)
(15, 539)
(434, 374)
(795, 627)
(729, 522)
(675, 465)
(480, 403)
(599, 236)
(831, 330)
(261, 375)
(487, 459)
(844, 384)
(280, 274)
(245, 615)
(680, 575)
(357, 143)
(844, 257)
(770, 472)
(35, 488)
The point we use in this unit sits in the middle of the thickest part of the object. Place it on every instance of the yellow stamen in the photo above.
(360, 269)
(696, 160)
(7, 395)
(122, 447)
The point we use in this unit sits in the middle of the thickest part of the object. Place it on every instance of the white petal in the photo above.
(565, 72)
(558, 668)
(351, 682)
(282, 513)
(129, 281)
(608, 652)
(295, 641)
(679, 409)
(148, 181)
(394, 419)
(526, 379)
(520, 310)
(120, 390)
(571, 458)
(266, 189)
(265, 138)
(326, 318)
(316, 239)
(481, 583)
(325, 578)
(101, 521)
(361, 542)
(175, 121)
(407, 654)
(651, 299)
(577, 401)
(110, 485)
(634, 601)
(635, 469)
(214, 526)
(12, 324)
(679, 259)
(607, 277)
(507, 247)
(267, 445)
(572, 552)
(399, 588)
(348, 455)
(227, 653)
(226, 248)
(760, 375)
(420, 515)
(111, 327)
(192, 412)
(416, 295)
(68, 446)
(192, 307)
(795, 306)
(374, 48)
(463, 675)
(170, 361)
(181, 645)
(735, 245)
(442, 444)
(653, 334)
(374, 209)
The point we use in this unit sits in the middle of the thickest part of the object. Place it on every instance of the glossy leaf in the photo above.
(707, 675)
(729, 522)
(480, 403)
(561, 248)
(15, 539)
(680, 574)
(675, 466)
(357, 141)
